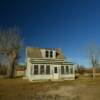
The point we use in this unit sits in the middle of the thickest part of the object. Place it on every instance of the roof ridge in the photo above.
(42, 48)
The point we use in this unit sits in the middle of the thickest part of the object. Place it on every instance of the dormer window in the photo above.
(51, 54)
(48, 54)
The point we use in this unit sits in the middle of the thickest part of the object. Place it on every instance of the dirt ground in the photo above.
(79, 89)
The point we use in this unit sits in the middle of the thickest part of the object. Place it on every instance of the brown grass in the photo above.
(80, 89)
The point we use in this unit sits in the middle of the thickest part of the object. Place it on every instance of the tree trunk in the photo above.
(12, 70)
(94, 70)
(8, 71)
(13, 60)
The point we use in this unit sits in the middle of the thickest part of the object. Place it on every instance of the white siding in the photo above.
(52, 75)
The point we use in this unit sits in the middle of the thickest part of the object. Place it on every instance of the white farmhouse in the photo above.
(48, 64)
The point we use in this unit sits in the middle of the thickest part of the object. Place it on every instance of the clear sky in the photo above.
(67, 24)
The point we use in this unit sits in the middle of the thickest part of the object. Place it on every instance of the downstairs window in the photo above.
(36, 68)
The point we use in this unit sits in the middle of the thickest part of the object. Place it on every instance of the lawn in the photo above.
(79, 89)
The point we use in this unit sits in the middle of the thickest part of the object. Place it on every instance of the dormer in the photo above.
(49, 54)
(44, 53)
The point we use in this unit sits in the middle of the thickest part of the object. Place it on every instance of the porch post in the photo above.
(45, 69)
(73, 69)
(38, 69)
(69, 69)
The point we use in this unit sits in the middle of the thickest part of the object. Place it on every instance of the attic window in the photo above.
(47, 54)
(51, 54)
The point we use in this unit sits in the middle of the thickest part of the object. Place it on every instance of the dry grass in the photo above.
(80, 89)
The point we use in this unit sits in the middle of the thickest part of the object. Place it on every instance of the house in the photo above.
(48, 64)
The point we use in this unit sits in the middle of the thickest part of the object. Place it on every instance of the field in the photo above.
(79, 89)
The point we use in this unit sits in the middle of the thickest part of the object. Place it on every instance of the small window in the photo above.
(67, 69)
(47, 54)
(62, 69)
(36, 69)
(47, 69)
(55, 71)
(51, 54)
(42, 69)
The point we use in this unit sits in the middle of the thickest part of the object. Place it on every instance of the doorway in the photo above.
(56, 73)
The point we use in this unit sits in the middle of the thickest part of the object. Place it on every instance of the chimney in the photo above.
(58, 50)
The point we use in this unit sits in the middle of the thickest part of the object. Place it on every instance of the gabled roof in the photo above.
(36, 52)
(33, 53)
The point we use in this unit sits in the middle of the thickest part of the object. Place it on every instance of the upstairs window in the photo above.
(51, 54)
(47, 54)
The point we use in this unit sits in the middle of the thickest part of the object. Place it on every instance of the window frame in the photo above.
(47, 68)
(67, 69)
(62, 71)
(71, 70)
(55, 70)
(46, 53)
(42, 70)
(36, 69)
(51, 54)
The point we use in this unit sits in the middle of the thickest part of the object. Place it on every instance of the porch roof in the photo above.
(49, 62)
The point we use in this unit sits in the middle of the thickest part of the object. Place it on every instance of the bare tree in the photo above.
(93, 52)
(10, 44)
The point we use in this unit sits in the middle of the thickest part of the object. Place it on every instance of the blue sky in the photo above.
(67, 24)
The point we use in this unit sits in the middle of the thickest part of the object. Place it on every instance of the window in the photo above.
(41, 69)
(71, 70)
(47, 69)
(51, 54)
(67, 69)
(62, 69)
(55, 71)
(47, 54)
(36, 68)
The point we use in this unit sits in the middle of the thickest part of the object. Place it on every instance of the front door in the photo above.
(56, 73)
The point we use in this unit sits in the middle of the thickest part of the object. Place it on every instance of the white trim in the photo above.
(46, 59)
